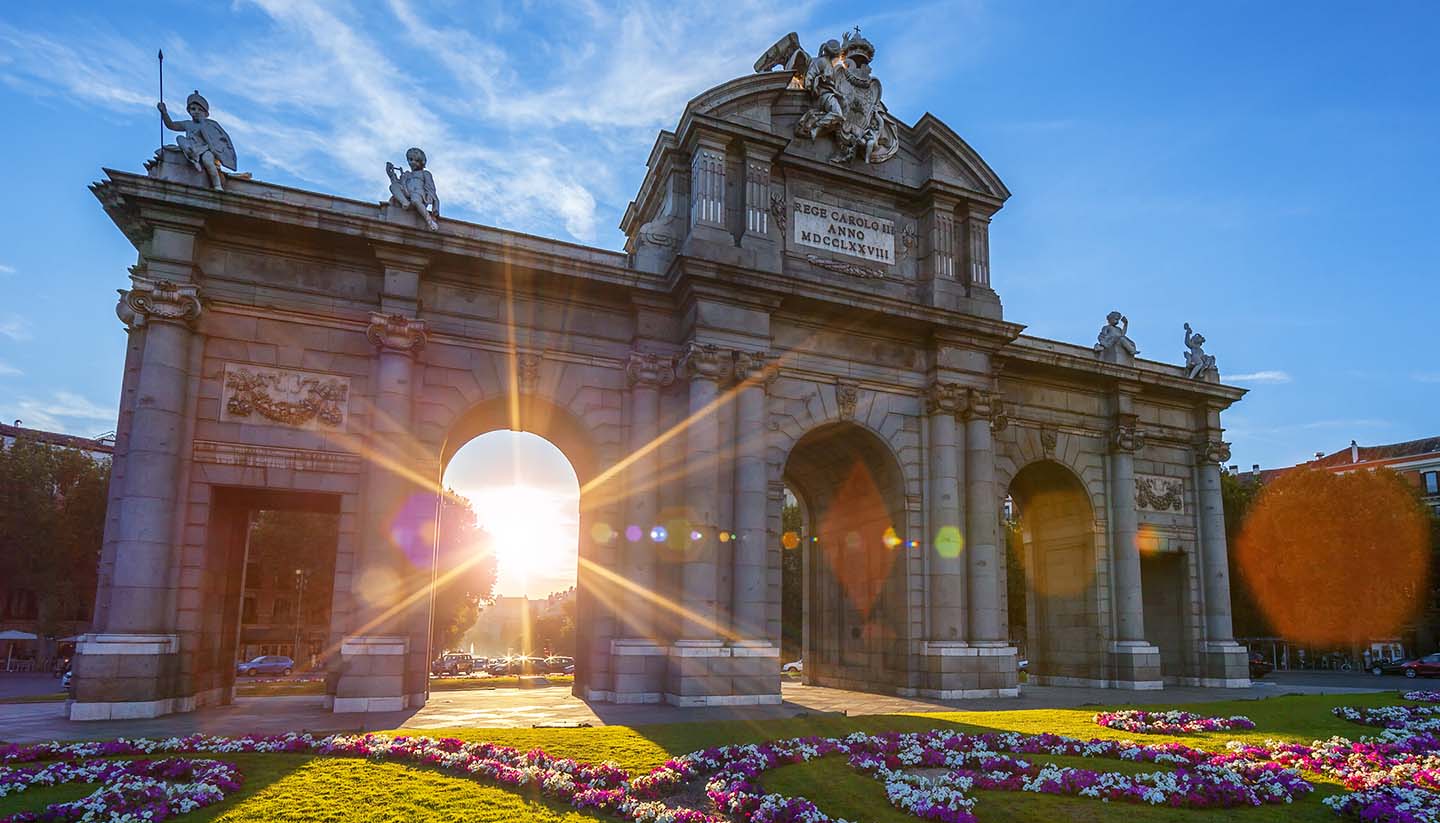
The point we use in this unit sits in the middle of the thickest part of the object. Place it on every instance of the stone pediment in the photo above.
(800, 170)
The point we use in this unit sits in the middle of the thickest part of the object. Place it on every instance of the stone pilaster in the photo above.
(938, 266)
(708, 218)
(1134, 663)
(638, 655)
(947, 578)
(1225, 662)
(128, 666)
(373, 671)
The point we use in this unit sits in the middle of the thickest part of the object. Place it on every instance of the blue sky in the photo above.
(1268, 172)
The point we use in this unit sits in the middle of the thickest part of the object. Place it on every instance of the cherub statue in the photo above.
(1197, 362)
(1114, 336)
(204, 143)
(829, 111)
(415, 188)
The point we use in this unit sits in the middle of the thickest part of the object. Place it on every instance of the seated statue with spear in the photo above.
(204, 143)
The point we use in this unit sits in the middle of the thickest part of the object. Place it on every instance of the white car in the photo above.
(793, 666)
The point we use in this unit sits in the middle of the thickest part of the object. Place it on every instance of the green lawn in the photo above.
(305, 788)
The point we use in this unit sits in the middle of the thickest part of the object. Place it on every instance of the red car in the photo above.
(1427, 666)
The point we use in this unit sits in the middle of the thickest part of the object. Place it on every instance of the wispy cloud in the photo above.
(7, 370)
(14, 327)
(1426, 377)
(64, 411)
(1264, 376)
(527, 135)
(4, 269)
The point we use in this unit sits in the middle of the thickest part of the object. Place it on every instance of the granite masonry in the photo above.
(804, 301)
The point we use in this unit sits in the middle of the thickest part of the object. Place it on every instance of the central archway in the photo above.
(852, 501)
(1064, 639)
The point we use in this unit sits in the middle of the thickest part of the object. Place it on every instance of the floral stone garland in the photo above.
(1172, 722)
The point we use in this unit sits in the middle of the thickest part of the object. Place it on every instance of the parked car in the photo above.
(1427, 666)
(266, 664)
(453, 664)
(1259, 666)
(794, 666)
(1397, 666)
(560, 664)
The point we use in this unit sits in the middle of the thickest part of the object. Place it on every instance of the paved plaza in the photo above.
(556, 706)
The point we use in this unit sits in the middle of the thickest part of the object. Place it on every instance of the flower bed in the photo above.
(1422, 696)
(1173, 722)
(149, 790)
(1393, 777)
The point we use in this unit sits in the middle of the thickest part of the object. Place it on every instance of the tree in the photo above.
(1249, 619)
(1337, 559)
(554, 628)
(792, 582)
(465, 574)
(52, 525)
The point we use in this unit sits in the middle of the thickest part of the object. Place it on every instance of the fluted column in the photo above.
(1214, 554)
(139, 596)
(751, 487)
(947, 541)
(647, 374)
(1125, 440)
(704, 367)
(987, 618)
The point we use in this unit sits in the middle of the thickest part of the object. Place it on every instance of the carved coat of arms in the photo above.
(845, 96)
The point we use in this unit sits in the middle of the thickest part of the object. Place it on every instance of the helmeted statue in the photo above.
(204, 142)
(846, 96)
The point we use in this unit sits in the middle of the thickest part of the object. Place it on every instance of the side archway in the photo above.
(1056, 549)
(852, 492)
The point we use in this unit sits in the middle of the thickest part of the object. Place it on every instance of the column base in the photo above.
(1225, 665)
(638, 668)
(710, 673)
(1134, 665)
(956, 670)
(372, 675)
(128, 676)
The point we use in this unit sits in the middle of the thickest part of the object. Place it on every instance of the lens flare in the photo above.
(948, 541)
(891, 540)
(790, 540)
(659, 534)
(633, 533)
(1335, 558)
(602, 533)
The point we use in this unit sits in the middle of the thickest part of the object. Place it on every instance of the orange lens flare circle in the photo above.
(1335, 558)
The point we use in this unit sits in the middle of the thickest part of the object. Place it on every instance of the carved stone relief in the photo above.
(281, 397)
(846, 396)
(852, 269)
(1159, 494)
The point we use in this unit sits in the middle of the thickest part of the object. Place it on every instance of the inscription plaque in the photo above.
(843, 231)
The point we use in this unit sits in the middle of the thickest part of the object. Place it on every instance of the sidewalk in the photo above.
(523, 708)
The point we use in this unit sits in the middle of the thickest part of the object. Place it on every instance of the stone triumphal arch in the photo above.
(804, 300)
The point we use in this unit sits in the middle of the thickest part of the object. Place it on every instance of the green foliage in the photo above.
(52, 524)
(465, 575)
(1249, 619)
(792, 583)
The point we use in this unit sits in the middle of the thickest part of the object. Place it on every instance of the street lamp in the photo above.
(299, 610)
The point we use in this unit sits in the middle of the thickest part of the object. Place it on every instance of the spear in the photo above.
(161, 55)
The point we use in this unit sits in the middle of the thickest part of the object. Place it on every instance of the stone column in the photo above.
(987, 622)
(755, 670)
(383, 634)
(127, 666)
(695, 672)
(638, 658)
(751, 494)
(995, 661)
(1134, 663)
(1226, 663)
(946, 542)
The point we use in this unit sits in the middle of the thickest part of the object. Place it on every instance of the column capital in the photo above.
(945, 398)
(649, 370)
(1126, 436)
(396, 332)
(756, 367)
(706, 361)
(984, 404)
(158, 301)
(1209, 451)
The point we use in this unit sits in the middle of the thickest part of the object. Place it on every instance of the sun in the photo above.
(533, 533)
